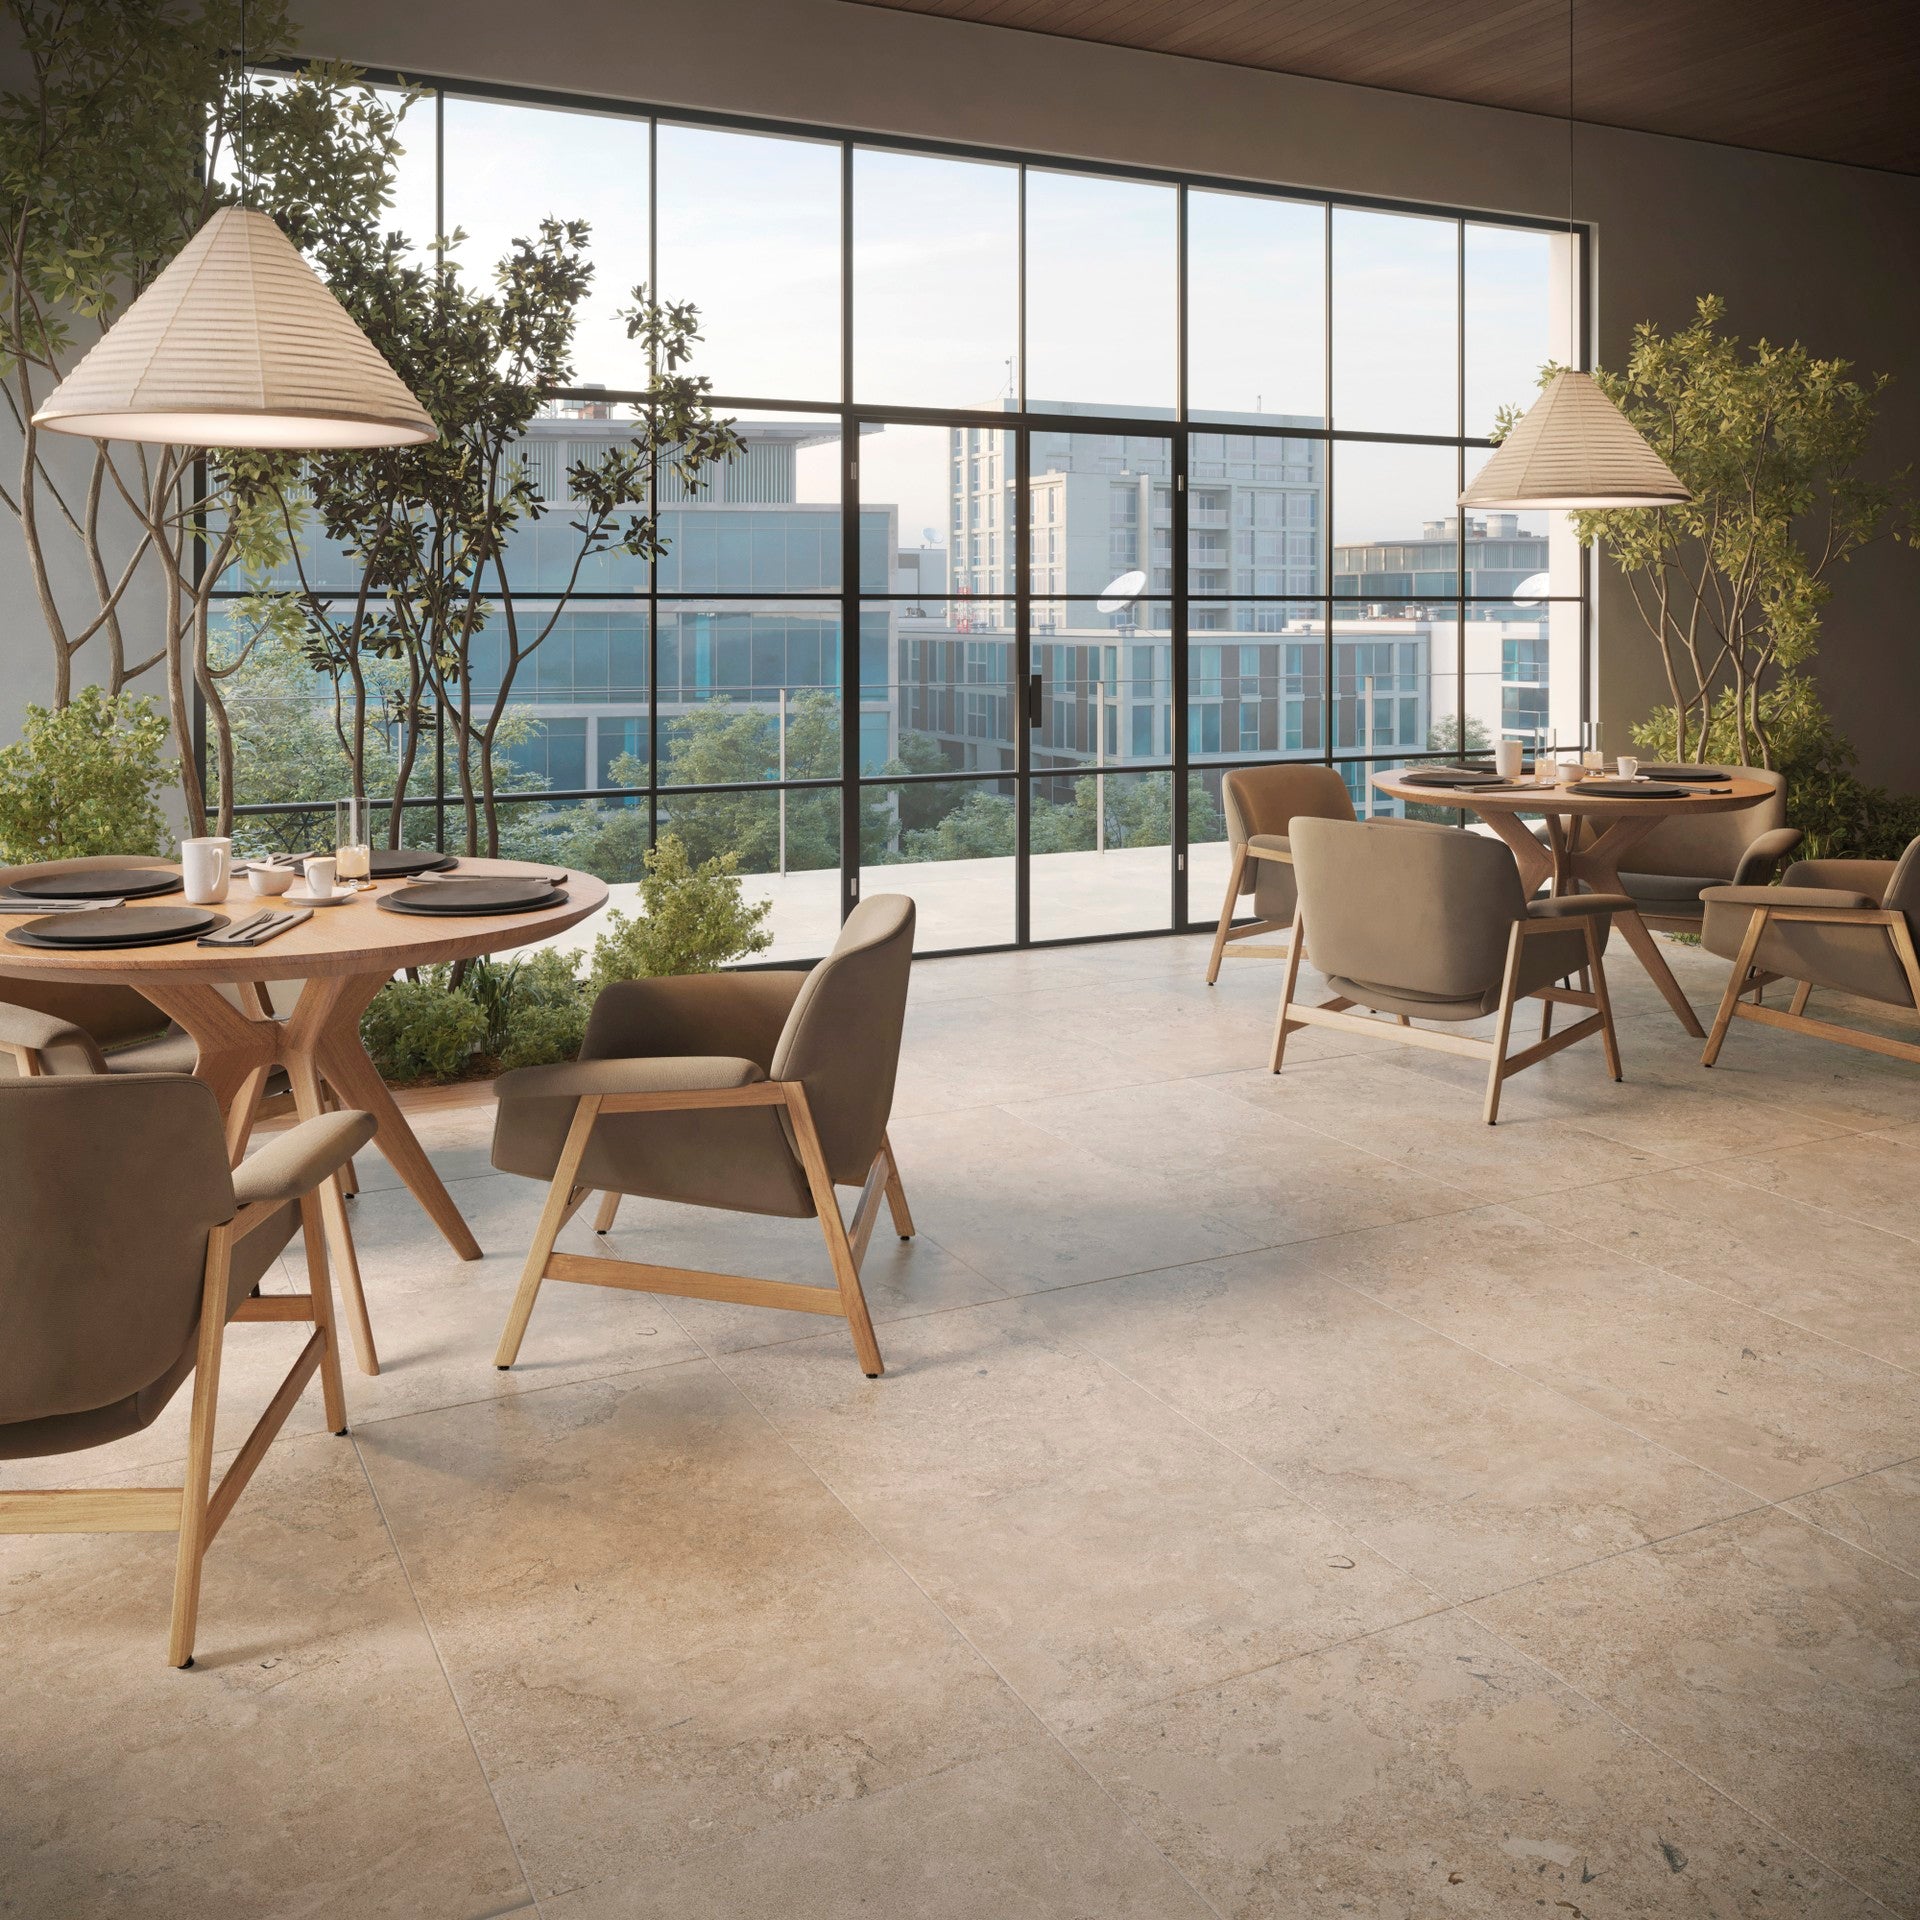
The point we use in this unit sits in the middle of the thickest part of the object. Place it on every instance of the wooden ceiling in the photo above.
(1826, 79)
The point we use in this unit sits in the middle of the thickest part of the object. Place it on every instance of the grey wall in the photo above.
(1828, 254)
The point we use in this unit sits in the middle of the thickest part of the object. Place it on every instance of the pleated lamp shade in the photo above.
(1574, 448)
(238, 343)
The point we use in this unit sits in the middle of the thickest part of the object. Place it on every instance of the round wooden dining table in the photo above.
(342, 956)
(1588, 836)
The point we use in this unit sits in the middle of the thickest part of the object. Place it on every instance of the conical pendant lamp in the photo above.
(1574, 448)
(239, 343)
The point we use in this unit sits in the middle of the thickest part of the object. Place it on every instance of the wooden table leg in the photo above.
(334, 1039)
(1533, 860)
(236, 1052)
(1598, 866)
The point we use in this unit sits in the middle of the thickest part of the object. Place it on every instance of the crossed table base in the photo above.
(1588, 836)
(342, 956)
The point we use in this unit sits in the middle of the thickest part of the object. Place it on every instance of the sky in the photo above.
(749, 231)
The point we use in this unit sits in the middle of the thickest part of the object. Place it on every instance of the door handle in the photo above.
(1036, 694)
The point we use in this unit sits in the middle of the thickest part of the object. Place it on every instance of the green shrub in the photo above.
(84, 779)
(694, 920)
(490, 1016)
(1841, 816)
(417, 1030)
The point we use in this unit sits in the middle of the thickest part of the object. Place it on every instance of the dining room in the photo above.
(958, 959)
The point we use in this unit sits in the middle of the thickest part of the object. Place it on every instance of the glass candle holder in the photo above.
(352, 843)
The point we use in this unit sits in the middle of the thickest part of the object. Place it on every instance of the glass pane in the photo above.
(510, 166)
(1395, 687)
(1395, 520)
(936, 280)
(1523, 673)
(750, 234)
(945, 700)
(788, 844)
(1102, 854)
(938, 496)
(1395, 323)
(749, 693)
(1256, 309)
(767, 521)
(1519, 316)
(1256, 513)
(1101, 285)
(607, 838)
(948, 843)
(1256, 681)
(1102, 512)
(1106, 683)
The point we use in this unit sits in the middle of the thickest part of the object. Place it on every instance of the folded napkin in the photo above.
(19, 903)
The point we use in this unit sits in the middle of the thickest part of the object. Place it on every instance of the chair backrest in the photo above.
(108, 1190)
(110, 1014)
(1426, 909)
(1710, 844)
(1903, 890)
(842, 1038)
(1268, 800)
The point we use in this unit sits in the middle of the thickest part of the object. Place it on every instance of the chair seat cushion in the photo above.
(1671, 890)
(1415, 1005)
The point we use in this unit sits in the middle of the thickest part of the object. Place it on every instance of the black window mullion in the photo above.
(850, 665)
(1177, 636)
(1459, 508)
(653, 502)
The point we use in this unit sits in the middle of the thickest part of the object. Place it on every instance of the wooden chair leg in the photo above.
(1296, 951)
(1497, 1067)
(1736, 982)
(609, 1208)
(1801, 994)
(846, 1270)
(197, 1480)
(320, 1287)
(1593, 980)
(896, 1193)
(562, 1199)
(1226, 913)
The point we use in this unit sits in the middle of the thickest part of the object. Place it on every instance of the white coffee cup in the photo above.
(205, 868)
(1507, 759)
(320, 877)
(1626, 766)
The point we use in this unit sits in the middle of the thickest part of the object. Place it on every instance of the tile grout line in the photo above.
(1126, 1820)
(532, 1901)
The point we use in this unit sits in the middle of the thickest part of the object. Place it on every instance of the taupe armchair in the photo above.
(1687, 853)
(1846, 925)
(750, 1092)
(1429, 923)
(1261, 805)
(128, 1248)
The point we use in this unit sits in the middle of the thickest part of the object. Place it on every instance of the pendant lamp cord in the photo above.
(1573, 246)
(240, 156)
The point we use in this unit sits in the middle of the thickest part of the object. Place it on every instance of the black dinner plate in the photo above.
(1703, 776)
(388, 905)
(509, 894)
(402, 863)
(99, 883)
(117, 927)
(1635, 789)
(1449, 777)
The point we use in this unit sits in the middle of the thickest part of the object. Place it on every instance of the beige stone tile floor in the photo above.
(1287, 1497)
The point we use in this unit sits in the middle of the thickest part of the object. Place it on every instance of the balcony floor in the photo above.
(1287, 1497)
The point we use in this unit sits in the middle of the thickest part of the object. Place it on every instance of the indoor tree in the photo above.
(1771, 441)
(429, 531)
(122, 141)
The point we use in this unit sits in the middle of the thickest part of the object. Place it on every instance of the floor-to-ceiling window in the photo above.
(1064, 490)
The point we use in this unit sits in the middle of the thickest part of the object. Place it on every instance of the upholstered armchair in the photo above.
(129, 1248)
(1849, 926)
(747, 1092)
(1261, 804)
(1428, 923)
(1666, 872)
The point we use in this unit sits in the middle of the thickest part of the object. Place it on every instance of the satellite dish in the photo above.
(1536, 586)
(930, 536)
(1121, 593)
